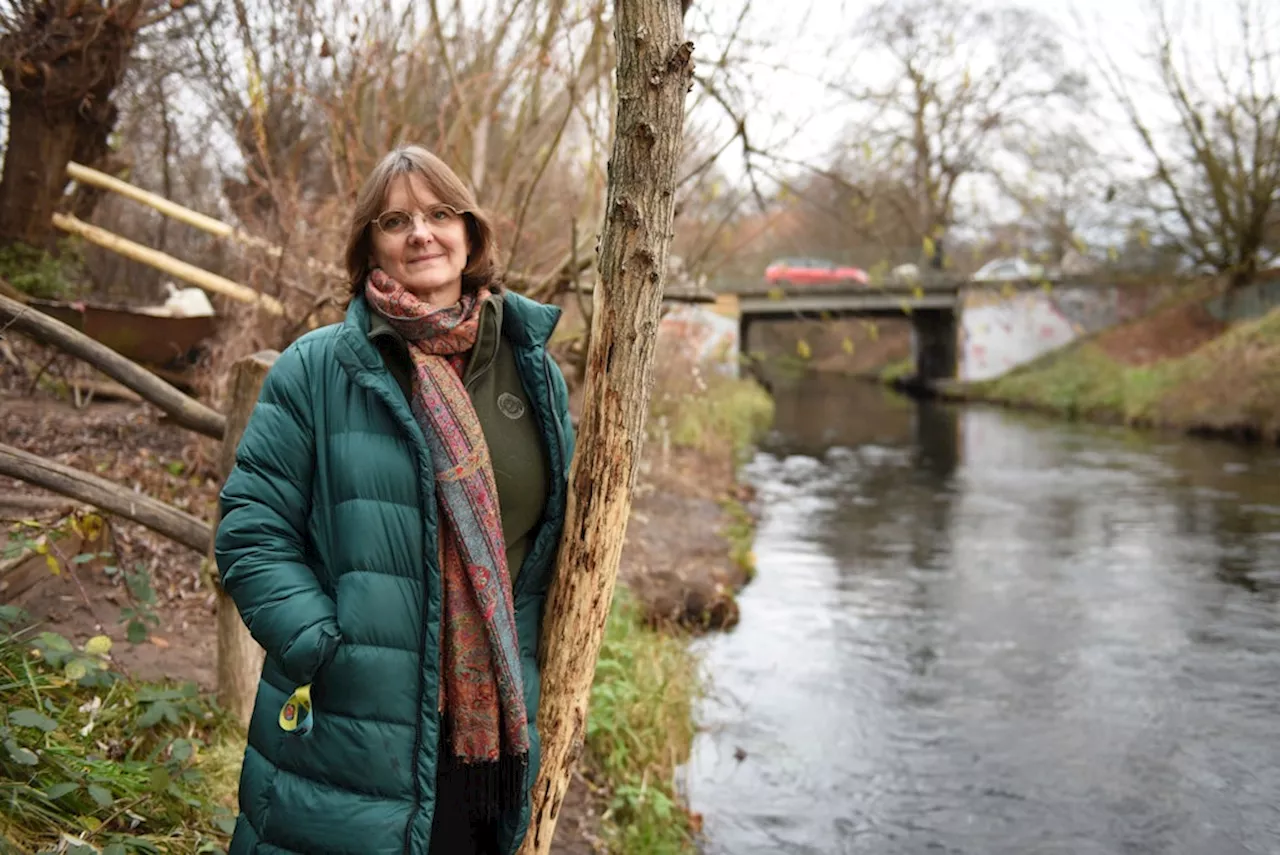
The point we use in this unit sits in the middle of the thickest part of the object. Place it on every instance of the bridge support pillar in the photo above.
(935, 344)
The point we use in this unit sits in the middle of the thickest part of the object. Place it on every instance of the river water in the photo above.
(980, 632)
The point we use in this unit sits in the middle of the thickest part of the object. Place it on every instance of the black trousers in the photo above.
(456, 833)
(455, 830)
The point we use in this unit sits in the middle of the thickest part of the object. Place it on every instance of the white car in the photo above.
(1008, 270)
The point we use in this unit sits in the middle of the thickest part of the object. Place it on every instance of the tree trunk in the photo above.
(63, 60)
(186, 411)
(654, 72)
(40, 146)
(239, 656)
(174, 524)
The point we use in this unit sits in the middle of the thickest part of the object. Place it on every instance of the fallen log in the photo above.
(105, 389)
(164, 519)
(36, 504)
(184, 410)
(12, 293)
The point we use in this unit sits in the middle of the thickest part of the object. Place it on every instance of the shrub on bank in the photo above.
(1229, 385)
(707, 411)
(93, 763)
(640, 730)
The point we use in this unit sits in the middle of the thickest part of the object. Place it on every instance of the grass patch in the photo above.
(900, 370)
(93, 763)
(640, 730)
(1230, 385)
(1083, 382)
(715, 412)
(740, 531)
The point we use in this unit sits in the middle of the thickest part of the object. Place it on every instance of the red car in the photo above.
(811, 271)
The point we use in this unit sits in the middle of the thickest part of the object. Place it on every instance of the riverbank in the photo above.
(1178, 368)
(682, 563)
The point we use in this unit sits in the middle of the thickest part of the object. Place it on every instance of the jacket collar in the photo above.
(528, 323)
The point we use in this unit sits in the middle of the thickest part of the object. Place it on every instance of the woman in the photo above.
(389, 533)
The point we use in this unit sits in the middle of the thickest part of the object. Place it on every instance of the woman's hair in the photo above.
(403, 162)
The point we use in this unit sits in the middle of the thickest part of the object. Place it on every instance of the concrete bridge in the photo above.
(962, 329)
(933, 306)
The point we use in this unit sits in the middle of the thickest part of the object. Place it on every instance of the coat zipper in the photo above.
(548, 408)
(422, 684)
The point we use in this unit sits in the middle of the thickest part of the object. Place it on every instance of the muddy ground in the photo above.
(675, 558)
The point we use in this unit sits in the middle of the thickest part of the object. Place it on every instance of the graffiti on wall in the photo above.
(702, 335)
(1252, 301)
(998, 333)
(1000, 330)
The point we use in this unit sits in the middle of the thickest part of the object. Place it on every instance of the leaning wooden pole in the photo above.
(184, 410)
(178, 526)
(239, 656)
(654, 72)
(181, 213)
(166, 263)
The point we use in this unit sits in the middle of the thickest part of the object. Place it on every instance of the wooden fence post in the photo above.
(239, 656)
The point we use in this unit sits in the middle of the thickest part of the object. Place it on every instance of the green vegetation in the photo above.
(42, 274)
(1083, 382)
(712, 413)
(29, 537)
(1229, 385)
(93, 763)
(96, 763)
(639, 731)
(899, 370)
(740, 531)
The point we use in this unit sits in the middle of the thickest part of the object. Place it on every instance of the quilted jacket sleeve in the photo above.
(260, 541)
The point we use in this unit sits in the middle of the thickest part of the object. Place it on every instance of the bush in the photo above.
(640, 730)
(707, 411)
(43, 275)
(90, 762)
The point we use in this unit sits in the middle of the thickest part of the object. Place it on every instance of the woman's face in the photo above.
(420, 243)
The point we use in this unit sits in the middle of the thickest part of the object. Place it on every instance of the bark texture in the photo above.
(239, 656)
(654, 72)
(60, 62)
(186, 411)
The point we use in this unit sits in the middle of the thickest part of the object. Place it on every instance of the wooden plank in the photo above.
(168, 264)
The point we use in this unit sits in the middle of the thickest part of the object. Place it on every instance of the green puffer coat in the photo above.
(328, 547)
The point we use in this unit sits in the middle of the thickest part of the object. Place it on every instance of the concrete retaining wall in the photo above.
(1001, 330)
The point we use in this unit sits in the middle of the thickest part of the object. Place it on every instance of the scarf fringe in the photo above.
(484, 791)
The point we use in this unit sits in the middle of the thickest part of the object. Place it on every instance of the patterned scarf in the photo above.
(482, 691)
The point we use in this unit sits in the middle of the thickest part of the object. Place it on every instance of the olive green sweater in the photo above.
(502, 405)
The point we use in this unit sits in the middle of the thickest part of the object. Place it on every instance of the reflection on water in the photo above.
(974, 632)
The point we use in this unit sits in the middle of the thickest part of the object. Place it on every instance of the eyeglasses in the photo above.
(401, 223)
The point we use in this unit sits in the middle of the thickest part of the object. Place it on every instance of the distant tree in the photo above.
(1214, 181)
(959, 79)
(1062, 191)
(61, 61)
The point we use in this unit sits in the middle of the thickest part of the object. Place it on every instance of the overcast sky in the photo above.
(810, 39)
(803, 43)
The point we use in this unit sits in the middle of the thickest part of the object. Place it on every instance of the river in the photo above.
(975, 631)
